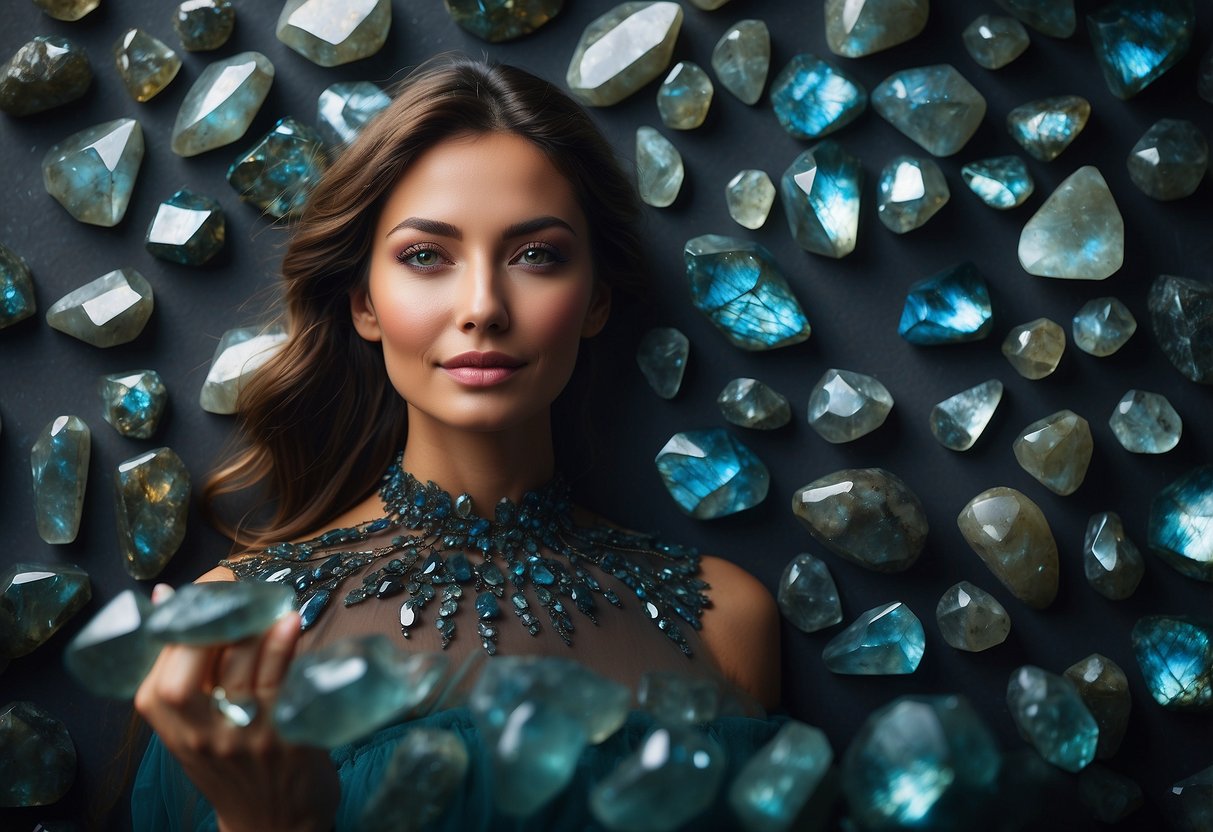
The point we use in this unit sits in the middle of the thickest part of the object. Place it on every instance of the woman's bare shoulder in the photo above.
(741, 629)
(219, 573)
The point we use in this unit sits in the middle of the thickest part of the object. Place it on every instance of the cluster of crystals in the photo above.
(111, 310)
(662, 356)
(204, 25)
(1078, 233)
(958, 421)
(278, 173)
(947, 308)
(335, 32)
(45, 73)
(133, 402)
(845, 405)
(1010, 534)
(145, 65)
(502, 20)
(240, 353)
(710, 473)
(92, 173)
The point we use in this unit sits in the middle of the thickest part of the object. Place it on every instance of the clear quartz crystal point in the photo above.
(1002, 182)
(950, 307)
(45, 73)
(92, 173)
(216, 612)
(1145, 423)
(749, 197)
(36, 599)
(855, 28)
(335, 32)
(622, 50)
(821, 196)
(188, 228)
(1111, 561)
(203, 25)
(885, 641)
(1176, 658)
(845, 405)
(933, 106)
(241, 352)
(39, 764)
(222, 103)
(1181, 311)
(1169, 160)
(1181, 524)
(344, 108)
(17, 301)
(993, 41)
(1034, 349)
(749, 403)
(111, 310)
(659, 170)
(676, 699)
(1012, 537)
(59, 462)
(1078, 233)
(1104, 689)
(662, 356)
(909, 192)
(971, 619)
(1103, 326)
(278, 173)
(710, 474)
(151, 499)
(742, 59)
(112, 654)
(812, 98)
(775, 784)
(501, 20)
(684, 97)
(133, 402)
(958, 421)
(145, 64)
(1046, 127)
(1136, 41)
(1051, 716)
(424, 773)
(1054, 18)
(1056, 450)
(68, 10)
(808, 597)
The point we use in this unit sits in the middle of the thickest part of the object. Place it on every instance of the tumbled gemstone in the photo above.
(947, 308)
(47, 72)
(709, 473)
(676, 699)
(1046, 127)
(502, 20)
(1182, 313)
(684, 96)
(1011, 536)
(1034, 349)
(934, 106)
(1181, 523)
(278, 173)
(1056, 450)
(111, 310)
(821, 194)
(807, 595)
(241, 352)
(1054, 18)
(17, 300)
(216, 612)
(222, 103)
(812, 99)
(885, 641)
(203, 25)
(739, 287)
(776, 783)
(742, 58)
(1176, 658)
(36, 599)
(844, 405)
(994, 41)
(866, 515)
(1169, 160)
(1109, 796)
(1103, 326)
(751, 404)
(659, 169)
(38, 765)
(344, 108)
(1051, 716)
(426, 769)
(1111, 561)
(133, 402)
(910, 191)
(1104, 689)
(971, 619)
(1145, 423)
(334, 32)
(68, 10)
(1001, 182)
(622, 50)
(855, 28)
(662, 356)
(145, 64)
(958, 421)
(1078, 232)
(151, 499)
(749, 196)
(59, 460)
(112, 653)
(92, 173)
(1136, 41)
(1189, 802)
(188, 228)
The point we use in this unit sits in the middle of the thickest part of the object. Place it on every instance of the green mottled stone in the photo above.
(59, 463)
(659, 170)
(1046, 127)
(1078, 233)
(749, 196)
(335, 32)
(502, 20)
(151, 500)
(1111, 561)
(112, 653)
(36, 599)
(684, 97)
(1034, 349)
(188, 228)
(92, 173)
(742, 59)
(111, 310)
(1056, 450)
(222, 103)
(855, 28)
(278, 173)
(240, 353)
(971, 619)
(994, 41)
(751, 404)
(37, 758)
(1104, 689)
(623, 50)
(145, 64)
(16, 288)
(217, 612)
(1011, 536)
(47, 72)
(68, 10)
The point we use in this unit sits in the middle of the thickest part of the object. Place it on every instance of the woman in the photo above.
(443, 276)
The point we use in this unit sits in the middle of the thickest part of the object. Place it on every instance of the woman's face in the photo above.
(481, 283)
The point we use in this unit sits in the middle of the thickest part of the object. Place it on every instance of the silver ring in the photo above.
(240, 712)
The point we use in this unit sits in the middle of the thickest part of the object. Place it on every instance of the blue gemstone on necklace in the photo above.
(487, 606)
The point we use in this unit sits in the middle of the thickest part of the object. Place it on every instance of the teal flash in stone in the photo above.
(751, 404)
(1051, 716)
(534, 757)
(742, 59)
(344, 108)
(1109, 797)
(1145, 423)
(423, 774)
(151, 499)
(145, 64)
(16, 288)
(188, 228)
(958, 421)
(1169, 161)
(111, 310)
(821, 194)
(133, 402)
(932, 105)
(36, 599)
(112, 653)
(1189, 802)
(684, 96)
(502, 20)
(37, 757)
(216, 612)
(1182, 313)
(659, 169)
(1012, 537)
(662, 356)
(1136, 41)
(910, 191)
(808, 597)
(844, 406)
(1001, 182)
(1104, 689)
(674, 698)
(59, 462)
(749, 196)
(222, 103)
(1056, 450)
(47, 72)
(971, 619)
(240, 353)
(92, 173)
(623, 50)
(993, 41)
(855, 28)
(776, 783)
(278, 173)
(1176, 658)
(866, 515)
(1103, 326)
(739, 287)
(1111, 561)
(335, 32)
(710, 474)
(885, 641)
(947, 308)
(68, 10)
(1181, 524)
(1046, 127)
(812, 99)
(203, 25)
(1054, 18)
(1034, 349)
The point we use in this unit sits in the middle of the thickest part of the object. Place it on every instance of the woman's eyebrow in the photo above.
(436, 227)
(525, 227)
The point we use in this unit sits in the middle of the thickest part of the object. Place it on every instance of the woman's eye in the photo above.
(539, 255)
(421, 258)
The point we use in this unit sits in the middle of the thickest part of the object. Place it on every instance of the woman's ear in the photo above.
(366, 323)
(600, 309)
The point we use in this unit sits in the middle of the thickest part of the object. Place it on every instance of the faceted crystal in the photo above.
(866, 515)
(994, 41)
(1035, 348)
(947, 308)
(68, 10)
(1051, 716)
(1136, 41)
(502, 20)
(203, 25)
(675, 699)
(278, 173)
(1181, 524)
(222, 103)
(1103, 326)
(855, 28)
(241, 352)
(1078, 232)
(910, 192)
(821, 192)
(684, 96)
(16, 288)
(92, 173)
(145, 64)
(662, 356)
(112, 653)
(1169, 161)
(709, 473)
(1109, 796)
(812, 99)
(1046, 127)
(844, 405)
(1176, 657)
(1104, 689)
(659, 170)
(1145, 423)
(775, 784)
(623, 50)
(749, 196)
(216, 612)
(334, 32)
(958, 421)
(423, 774)
(133, 402)
(1182, 313)
(151, 497)
(1111, 561)
(807, 595)
(111, 310)
(1054, 18)
(1011, 536)
(739, 287)
(59, 460)
(885, 641)
(751, 404)
(971, 619)
(344, 108)
(1189, 802)
(36, 599)
(1056, 450)
(932, 105)
(1001, 182)
(37, 758)
(534, 756)
(742, 58)
(188, 228)
(47, 72)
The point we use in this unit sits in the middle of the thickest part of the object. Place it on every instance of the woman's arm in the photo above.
(741, 630)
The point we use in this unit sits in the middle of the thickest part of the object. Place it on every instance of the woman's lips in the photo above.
(481, 369)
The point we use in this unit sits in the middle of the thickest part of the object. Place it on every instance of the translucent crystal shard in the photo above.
(203, 25)
(971, 619)
(1145, 423)
(1056, 450)
(710, 474)
(188, 228)
(749, 196)
(1109, 796)
(994, 41)
(739, 287)
(36, 599)
(1169, 161)
(910, 191)
(1078, 233)
(222, 103)
(821, 192)
(776, 783)
(59, 460)
(807, 595)
(1051, 716)
(47, 72)
(344, 108)
(112, 653)
(111, 310)
(947, 308)
(885, 641)
(1054, 18)
(92, 173)
(145, 64)
(958, 421)
(662, 356)
(151, 498)
(855, 28)
(1034, 349)
(623, 50)
(676, 699)
(240, 353)
(68, 10)
(278, 173)
(751, 404)
(423, 774)
(1111, 561)
(659, 170)
(334, 32)
(1136, 41)
(38, 765)
(16, 288)
(216, 612)
(1181, 523)
(1001, 182)
(1046, 127)
(742, 58)
(133, 402)
(812, 98)
(1182, 313)
(1011, 536)
(1103, 326)
(932, 105)
(1104, 689)
(1176, 658)
(684, 97)
(502, 20)
(844, 405)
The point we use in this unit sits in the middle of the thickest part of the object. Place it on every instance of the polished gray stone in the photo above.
(335, 32)
(92, 173)
(807, 595)
(59, 462)
(106, 312)
(622, 50)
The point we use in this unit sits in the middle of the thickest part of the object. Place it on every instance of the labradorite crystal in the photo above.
(742, 58)
(1052, 717)
(1181, 524)
(1011, 536)
(844, 405)
(16, 289)
(188, 228)
(335, 32)
(145, 64)
(821, 195)
(240, 353)
(151, 498)
(217, 612)
(502, 20)
(112, 654)
(1189, 802)
(934, 106)
(1054, 18)
(677, 699)
(749, 196)
(111, 310)
(812, 98)
(709, 473)
(909, 192)
(884, 641)
(37, 758)
(775, 784)
(1078, 233)
(855, 28)
(1046, 127)
(971, 619)
(92, 173)
(659, 169)
(344, 108)
(1145, 423)
(1002, 182)
(278, 173)
(1176, 657)
(1111, 561)
(203, 25)
(68, 10)
(662, 356)
(1110, 797)
(958, 421)
(222, 103)
(1136, 41)
(59, 460)
(1104, 689)
(751, 404)
(807, 595)
(994, 41)
(425, 771)
(1170, 160)
(1182, 313)
(623, 50)
(47, 72)
(684, 97)
(36, 599)
(950, 307)
(1056, 450)
(1102, 326)
(1034, 349)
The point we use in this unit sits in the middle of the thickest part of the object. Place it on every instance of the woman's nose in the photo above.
(483, 305)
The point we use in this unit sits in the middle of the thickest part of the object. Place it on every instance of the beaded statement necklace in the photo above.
(530, 544)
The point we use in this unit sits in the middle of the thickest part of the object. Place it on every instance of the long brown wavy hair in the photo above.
(320, 422)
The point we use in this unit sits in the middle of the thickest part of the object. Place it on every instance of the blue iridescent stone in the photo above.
(188, 228)
(932, 105)
(1078, 233)
(1176, 658)
(1052, 717)
(133, 402)
(222, 103)
(1181, 524)
(1102, 326)
(344, 108)
(821, 194)
(59, 462)
(775, 784)
(278, 173)
(1002, 182)
(710, 474)
(812, 98)
(37, 758)
(92, 173)
(1136, 41)
(948, 308)
(16, 289)
(1054, 18)
(885, 641)
(112, 653)
(151, 501)
(738, 285)
(36, 599)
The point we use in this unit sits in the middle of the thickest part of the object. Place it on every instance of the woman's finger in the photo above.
(277, 649)
(237, 666)
(181, 679)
